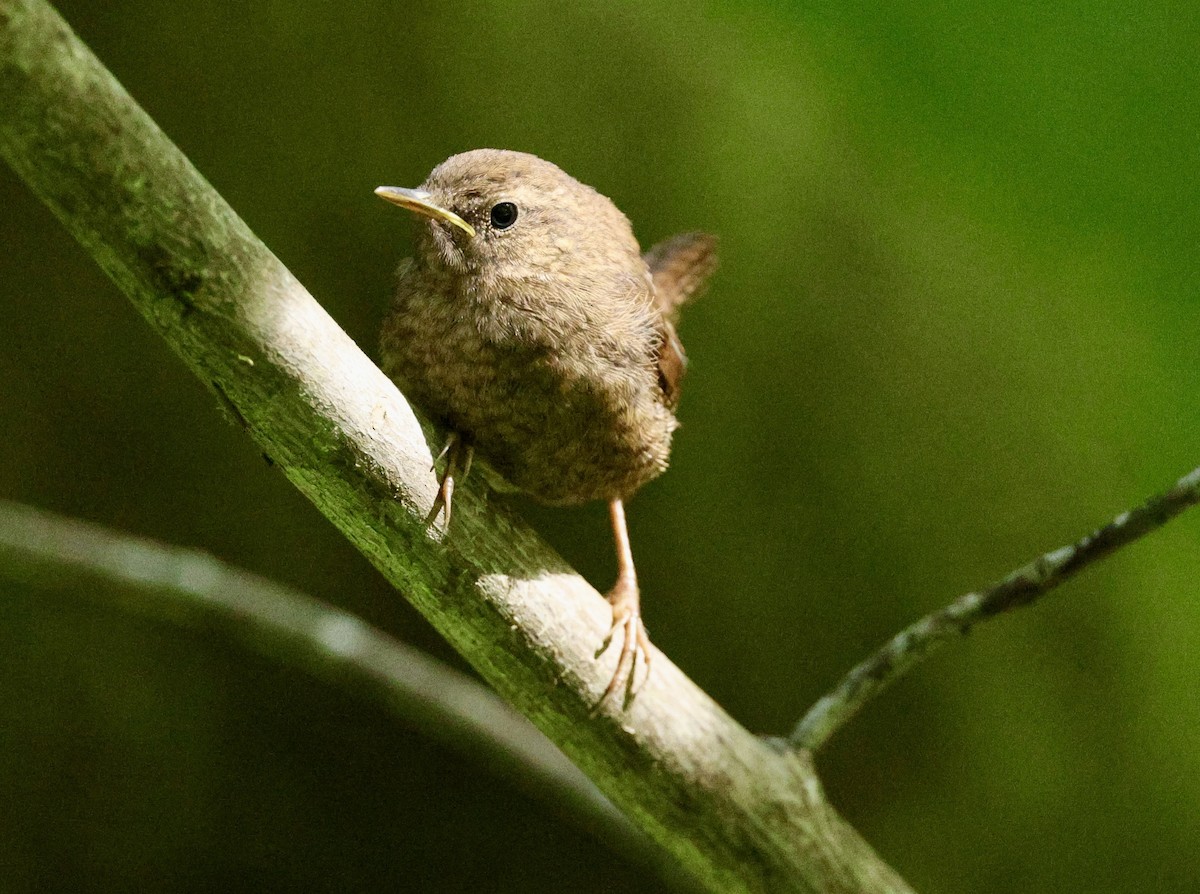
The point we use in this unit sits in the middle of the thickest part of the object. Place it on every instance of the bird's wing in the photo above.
(672, 363)
(679, 268)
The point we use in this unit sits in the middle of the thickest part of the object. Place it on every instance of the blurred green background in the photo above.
(954, 327)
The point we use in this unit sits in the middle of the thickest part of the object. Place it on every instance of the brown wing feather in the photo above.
(680, 268)
(672, 363)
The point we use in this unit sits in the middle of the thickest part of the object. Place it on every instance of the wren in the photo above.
(531, 326)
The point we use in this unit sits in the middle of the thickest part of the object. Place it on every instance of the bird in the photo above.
(532, 328)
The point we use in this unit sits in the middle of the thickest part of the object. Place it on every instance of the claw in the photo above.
(443, 500)
(445, 449)
(627, 617)
(458, 463)
(634, 642)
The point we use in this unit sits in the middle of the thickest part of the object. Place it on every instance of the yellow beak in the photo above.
(418, 200)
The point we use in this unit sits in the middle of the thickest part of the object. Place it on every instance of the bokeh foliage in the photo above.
(954, 327)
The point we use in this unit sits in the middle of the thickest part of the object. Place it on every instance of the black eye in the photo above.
(504, 215)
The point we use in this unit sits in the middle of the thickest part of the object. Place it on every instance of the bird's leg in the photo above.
(458, 453)
(626, 608)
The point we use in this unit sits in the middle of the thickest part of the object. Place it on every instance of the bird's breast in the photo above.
(558, 416)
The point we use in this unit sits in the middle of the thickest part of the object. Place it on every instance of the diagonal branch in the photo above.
(47, 554)
(1024, 586)
(736, 814)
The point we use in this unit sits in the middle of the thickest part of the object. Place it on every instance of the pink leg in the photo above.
(626, 608)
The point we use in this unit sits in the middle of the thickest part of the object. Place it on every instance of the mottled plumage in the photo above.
(546, 343)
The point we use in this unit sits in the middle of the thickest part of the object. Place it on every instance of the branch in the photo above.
(1026, 585)
(738, 815)
(48, 554)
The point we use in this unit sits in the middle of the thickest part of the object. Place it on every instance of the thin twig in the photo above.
(1022, 587)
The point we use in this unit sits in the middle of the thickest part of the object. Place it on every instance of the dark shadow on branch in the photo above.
(193, 590)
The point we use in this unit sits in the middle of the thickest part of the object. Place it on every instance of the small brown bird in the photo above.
(532, 327)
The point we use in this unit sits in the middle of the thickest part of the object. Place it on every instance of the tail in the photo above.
(681, 267)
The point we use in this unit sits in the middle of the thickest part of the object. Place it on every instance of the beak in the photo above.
(418, 200)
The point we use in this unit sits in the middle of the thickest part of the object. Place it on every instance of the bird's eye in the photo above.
(504, 215)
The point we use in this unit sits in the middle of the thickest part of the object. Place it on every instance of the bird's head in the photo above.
(501, 215)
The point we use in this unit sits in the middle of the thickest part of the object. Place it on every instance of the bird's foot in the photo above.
(458, 453)
(627, 621)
